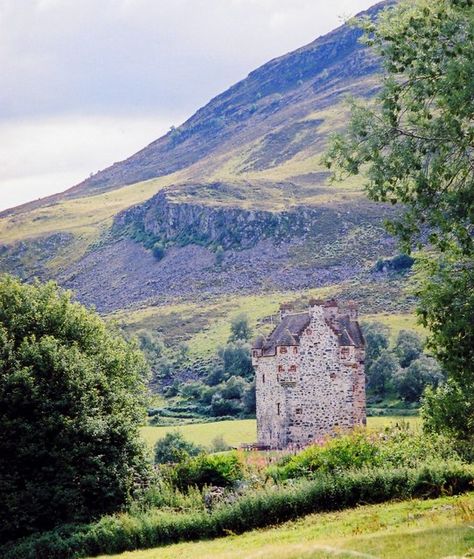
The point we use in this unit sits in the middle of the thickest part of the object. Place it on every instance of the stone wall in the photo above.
(312, 390)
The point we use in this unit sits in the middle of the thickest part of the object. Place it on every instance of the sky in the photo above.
(85, 83)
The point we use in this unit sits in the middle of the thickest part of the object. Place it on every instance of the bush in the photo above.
(396, 447)
(221, 470)
(115, 534)
(173, 448)
(71, 404)
(158, 251)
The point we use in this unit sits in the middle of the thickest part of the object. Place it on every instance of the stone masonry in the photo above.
(310, 378)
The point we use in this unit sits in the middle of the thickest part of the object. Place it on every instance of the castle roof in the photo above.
(349, 332)
(288, 332)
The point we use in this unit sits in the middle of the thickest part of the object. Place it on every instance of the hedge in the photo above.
(153, 528)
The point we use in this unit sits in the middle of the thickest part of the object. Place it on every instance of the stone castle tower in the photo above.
(310, 379)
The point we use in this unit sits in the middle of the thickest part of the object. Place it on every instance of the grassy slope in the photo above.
(242, 431)
(415, 529)
(205, 326)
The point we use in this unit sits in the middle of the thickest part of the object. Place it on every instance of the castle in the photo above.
(310, 379)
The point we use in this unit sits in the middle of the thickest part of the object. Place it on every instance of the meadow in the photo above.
(242, 431)
(432, 529)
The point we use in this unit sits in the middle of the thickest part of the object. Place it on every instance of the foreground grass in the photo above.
(242, 431)
(413, 529)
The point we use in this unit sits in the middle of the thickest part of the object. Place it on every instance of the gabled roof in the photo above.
(287, 333)
(349, 332)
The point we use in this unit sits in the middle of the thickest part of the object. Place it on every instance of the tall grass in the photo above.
(114, 534)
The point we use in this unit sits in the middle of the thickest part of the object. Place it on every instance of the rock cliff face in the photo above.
(176, 223)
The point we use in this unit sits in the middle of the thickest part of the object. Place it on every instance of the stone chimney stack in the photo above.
(285, 308)
(353, 310)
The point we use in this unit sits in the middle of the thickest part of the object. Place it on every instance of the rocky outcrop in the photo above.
(173, 222)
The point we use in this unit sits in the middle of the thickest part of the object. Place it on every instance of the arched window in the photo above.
(295, 349)
(281, 368)
(283, 350)
(293, 369)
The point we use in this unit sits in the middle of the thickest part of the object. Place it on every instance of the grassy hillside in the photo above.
(245, 166)
(435, 529)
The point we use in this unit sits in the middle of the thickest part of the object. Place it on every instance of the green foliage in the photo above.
(415, 144)
(449, 409)
(412, 381)
(381, 372)
(377, 340)
(397, 264)
(71, 403)
(221, 470)
(240, 329)
(174, 448)
(115, 534)
(397, 447)
(236, 359)
(408, 347)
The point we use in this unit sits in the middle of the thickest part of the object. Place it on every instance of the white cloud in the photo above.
(47, 155)
(62, 60)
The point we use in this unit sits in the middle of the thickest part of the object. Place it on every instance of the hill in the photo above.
(233, 204)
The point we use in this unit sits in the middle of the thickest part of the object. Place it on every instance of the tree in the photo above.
(381, 373)
(412, 381)
(376, 339)
(237, 360)
(415, 146)
(174, 448)
(71, 404)
(415, 143)
(240, 329)
(408, 347)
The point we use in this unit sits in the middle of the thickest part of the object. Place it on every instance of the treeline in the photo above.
(403, 371)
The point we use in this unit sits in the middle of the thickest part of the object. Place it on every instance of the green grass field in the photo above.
(243, 431)
(436, 529)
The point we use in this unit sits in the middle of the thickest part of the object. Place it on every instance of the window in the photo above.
(345, 352)
(295, 350)
(278, 408)
(281, 368)
(283, 350)
(298, 411)
(332, 376)
(263, 379)
(293, 369)
(255, 352)
(309, 331)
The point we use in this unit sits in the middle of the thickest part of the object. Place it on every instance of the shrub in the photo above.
(173, 448)
(396, 447)
(115, 534)
(158, 251)
(222, 470)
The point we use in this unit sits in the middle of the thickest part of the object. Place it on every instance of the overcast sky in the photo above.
(85, 83)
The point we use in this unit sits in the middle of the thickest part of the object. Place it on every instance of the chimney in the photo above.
(352, 310)
(285, 308)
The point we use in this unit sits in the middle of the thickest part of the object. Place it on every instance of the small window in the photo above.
(345, 352)
(293, 369)
(295, 350)
(298, 411)
(278, 408)
(332, 376)
(263, 379)
(255, 353)
(281, 368)
(283, 350)
(309, 331)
